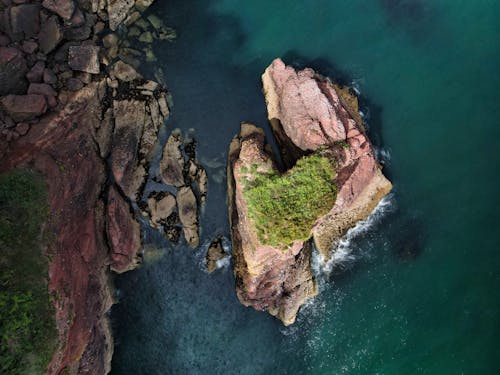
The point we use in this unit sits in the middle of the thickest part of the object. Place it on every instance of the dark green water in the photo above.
(416, 289)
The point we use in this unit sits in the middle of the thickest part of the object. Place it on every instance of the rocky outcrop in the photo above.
(267, 278)
(215, 253)
(64, 115)
(313, 112)
(309, 115)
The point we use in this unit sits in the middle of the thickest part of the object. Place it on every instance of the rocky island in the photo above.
(330, 180)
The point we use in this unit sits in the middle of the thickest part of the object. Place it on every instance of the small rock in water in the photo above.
(215, 253)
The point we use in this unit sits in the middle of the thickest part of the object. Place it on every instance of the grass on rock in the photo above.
(28, 335)
(284, 208)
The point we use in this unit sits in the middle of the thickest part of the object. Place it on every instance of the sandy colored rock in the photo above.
(172, 162)
(160, 207)
(188, 215)
(118, 11)
(215, 253)
(124, 72)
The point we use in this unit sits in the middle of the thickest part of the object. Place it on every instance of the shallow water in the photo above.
(417, 288)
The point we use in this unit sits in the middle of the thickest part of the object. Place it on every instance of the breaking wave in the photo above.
(343, 256)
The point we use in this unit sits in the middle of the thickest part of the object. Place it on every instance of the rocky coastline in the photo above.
(75, 108)
(309, 115)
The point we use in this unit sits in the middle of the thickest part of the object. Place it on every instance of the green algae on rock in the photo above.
(284, 208)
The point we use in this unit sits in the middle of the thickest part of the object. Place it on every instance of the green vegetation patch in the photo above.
(284, 208)
(28, 335)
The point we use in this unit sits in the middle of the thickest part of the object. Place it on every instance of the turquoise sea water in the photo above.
(415, 290)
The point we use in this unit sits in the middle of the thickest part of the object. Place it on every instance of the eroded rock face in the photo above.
(267, 278)
(314, 113)
(123, 233)
(188, 215)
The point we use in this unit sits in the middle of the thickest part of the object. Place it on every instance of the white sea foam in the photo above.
(343, 255)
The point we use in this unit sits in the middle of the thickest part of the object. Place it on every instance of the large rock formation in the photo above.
(308, 112)
(267, 278)
(309, 115)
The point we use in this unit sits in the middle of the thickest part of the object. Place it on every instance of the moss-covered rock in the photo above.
(284, 208)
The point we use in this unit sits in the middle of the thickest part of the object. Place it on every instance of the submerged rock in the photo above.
(309, 115)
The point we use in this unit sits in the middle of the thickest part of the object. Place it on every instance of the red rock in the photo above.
(22, 128)
(49, 77)
(46, 90)
(63, 8)
(13, 68)
(29, 46)
(36, 72)
(123, 233)
(24, 107)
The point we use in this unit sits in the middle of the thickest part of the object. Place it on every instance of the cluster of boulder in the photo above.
(180, 172)
(74, 107)
(308, 114)
(51, 47)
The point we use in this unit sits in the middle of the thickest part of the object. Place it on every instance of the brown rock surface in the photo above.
(50, 35)
(160, 207)
(215, 253)
(123, 233)
(172, 162)
(118, 11)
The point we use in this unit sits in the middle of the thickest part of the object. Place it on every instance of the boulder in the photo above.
(84, 58)
(172, 162)
(13, 68)
(36, 72)
(188, 215)
(63, 8)
(118, 11)
(25, 20)
(160, 206)
(124, 72)
(24, 107)
(215, 253)
(46, 90)
(50, 35)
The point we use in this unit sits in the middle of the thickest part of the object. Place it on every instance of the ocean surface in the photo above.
(413, 290)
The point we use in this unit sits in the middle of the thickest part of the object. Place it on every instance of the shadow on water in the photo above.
(416, 18)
